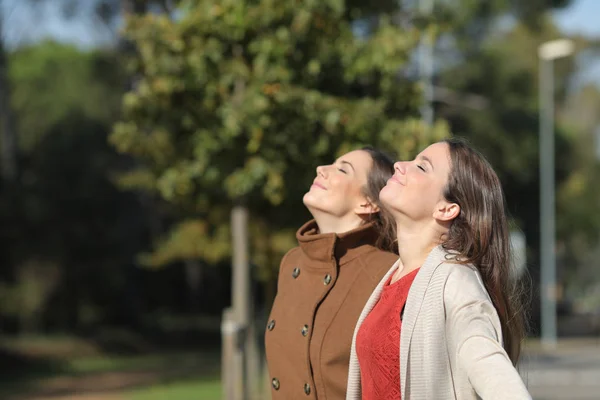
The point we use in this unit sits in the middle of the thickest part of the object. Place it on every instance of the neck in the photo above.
(415, 242)
(334, 224)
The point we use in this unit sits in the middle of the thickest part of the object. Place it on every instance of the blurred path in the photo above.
(102, 386)
(571, 372)
(82, 397)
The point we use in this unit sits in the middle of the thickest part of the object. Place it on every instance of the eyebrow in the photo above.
(347, 162)
(426, 159)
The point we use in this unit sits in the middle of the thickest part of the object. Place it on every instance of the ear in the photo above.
(365, 207)
(445, 211)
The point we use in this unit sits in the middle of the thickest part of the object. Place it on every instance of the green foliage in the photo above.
(240, 100)
(505, 72)
(191, 240)
(52, 81)
(66, 226)
(503, 67)
(26, 298)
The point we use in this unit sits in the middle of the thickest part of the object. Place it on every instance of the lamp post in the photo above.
(597, 143)
(547, 53)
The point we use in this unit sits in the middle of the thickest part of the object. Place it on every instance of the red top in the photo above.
(378, 342)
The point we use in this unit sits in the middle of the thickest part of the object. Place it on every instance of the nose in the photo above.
(321, 171)
(400, 167)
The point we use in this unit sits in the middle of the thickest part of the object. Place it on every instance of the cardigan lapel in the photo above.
(354, 386)
(416, 294)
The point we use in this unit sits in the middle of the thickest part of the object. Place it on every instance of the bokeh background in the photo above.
(138, 137)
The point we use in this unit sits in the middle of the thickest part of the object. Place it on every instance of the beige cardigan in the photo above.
(450, 345)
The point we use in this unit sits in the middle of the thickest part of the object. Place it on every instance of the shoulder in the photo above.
(462, 277)
(464, 290)
(293, 253)
(290, 258)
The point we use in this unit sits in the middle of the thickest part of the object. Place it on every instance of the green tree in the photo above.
(237, 102)
(503, 71)
(579, 198)
(65, 223)
(8, 133)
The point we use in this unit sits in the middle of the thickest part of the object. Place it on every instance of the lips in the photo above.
(395, 179)
(318, 185)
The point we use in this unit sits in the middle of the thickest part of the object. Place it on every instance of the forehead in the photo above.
(439, 155)
(358, 156)
(360, 160)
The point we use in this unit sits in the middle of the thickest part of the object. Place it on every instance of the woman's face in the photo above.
(416, 188)
(337, 190)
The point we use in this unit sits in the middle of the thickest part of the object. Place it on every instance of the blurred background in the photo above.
(154, 154)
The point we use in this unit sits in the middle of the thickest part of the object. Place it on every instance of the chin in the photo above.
(307, 199)
(387, 195)
(313, 202)
(316, 205)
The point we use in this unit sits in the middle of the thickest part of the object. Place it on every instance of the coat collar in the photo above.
(323, 247)
(413, 305)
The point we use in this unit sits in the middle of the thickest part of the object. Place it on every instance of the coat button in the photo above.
(271, 325)
(327, 279)
(305, 330)
(275, 383)
(306, 389)
(296, 272)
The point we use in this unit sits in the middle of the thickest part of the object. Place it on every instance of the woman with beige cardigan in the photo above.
(444, 322)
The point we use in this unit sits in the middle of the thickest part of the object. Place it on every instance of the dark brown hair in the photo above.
(381, 170)
(480, 236)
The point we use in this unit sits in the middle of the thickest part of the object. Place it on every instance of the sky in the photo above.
(85, 31)
(582, 17)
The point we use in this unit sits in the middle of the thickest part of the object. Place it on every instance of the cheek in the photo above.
(343, 186)
(434, 191)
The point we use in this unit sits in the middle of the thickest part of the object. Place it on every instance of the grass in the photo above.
(181, 390)
(188, 360)
(48, 367)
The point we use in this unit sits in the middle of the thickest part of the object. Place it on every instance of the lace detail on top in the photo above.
(378, 342)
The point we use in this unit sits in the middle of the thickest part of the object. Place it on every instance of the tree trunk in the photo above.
(193, 277)
(241, 296)
(7, 129)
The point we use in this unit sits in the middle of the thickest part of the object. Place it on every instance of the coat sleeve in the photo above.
(475, 338)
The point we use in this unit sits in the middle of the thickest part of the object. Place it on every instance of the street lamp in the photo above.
(597, 142)
(547, 53)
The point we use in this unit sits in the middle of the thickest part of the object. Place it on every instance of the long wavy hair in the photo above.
(381, 170)
(480, 235)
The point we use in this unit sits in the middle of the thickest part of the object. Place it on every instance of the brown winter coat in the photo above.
(323, 286)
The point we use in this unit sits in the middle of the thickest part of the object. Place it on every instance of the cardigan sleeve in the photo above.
(475, 337)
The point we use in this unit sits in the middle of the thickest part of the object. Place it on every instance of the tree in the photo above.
(235, 98)
(578, 199)
(7, 129)
(504, 72)
(68, 226)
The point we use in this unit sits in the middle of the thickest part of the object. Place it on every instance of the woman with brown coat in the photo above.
(325, 281)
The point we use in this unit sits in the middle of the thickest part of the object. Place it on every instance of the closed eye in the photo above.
(421, 168)
(342, 171)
